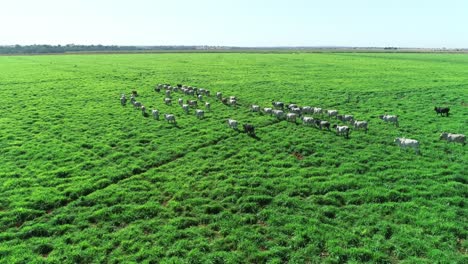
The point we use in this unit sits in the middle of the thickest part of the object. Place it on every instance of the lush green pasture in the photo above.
(85, 180)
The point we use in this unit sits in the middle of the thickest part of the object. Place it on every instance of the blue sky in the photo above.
(410, 23)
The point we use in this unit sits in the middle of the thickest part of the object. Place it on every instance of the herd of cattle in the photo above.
(310, 116)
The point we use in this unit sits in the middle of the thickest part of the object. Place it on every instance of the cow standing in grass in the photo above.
(342, 130)
(232, 123)
(458, 138)
(442, 111)
(170, 118)
(123, 100)
(408, 143)
(390, 118)
(359, 125)
(200, 113)
(249, 129)
(155, 114)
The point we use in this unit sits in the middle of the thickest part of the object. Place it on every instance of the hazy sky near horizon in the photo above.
(400, 23)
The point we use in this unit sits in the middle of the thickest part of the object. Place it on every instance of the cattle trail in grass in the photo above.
(89, 175)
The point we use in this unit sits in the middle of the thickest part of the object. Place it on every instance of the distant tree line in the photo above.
(41, 49)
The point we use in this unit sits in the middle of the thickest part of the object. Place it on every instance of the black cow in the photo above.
(135, 93)
(442, 110)
(249, 129)
(179, 85)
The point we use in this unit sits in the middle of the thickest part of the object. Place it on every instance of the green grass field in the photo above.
(85, 180)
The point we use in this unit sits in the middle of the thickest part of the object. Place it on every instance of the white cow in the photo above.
(345, 118)
(168, 93)
(255, 108)
(332, 113)
(143, 110)
(207, 106)
(155, 114)
(200, 97)
(295, 110)
(278, 113)
(167, 101)
(219, 95)
(268, 110)
(359, 125)
(170, 118)
(318, 110)
(199, 113)
(232, 123)
(180, 101)
(307, 110)
(390, 118)
(186, 108)
(232, 101)
(408, 143)
(342, 130)
(232, 98)
(307, 120)
(458, 138)
(291, 117)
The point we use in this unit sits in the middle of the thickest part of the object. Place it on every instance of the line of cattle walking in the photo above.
(288, 112)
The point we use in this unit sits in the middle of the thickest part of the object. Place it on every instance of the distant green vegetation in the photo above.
(85, 180)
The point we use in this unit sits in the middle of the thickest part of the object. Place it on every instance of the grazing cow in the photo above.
(277, 105)
(307, 120)
(123, 100)
(318, 110)
(291, 106)
(143, 110)
(408, 143)
(390, 118)
(291, 117)
(296, 110)
(268, 110)
(155, 114)
(219, 95)
(359, 125)
(179, 85)
(307, 110)
(199, 113)
(458, 138)
(134, 93)
(185, 107)
(324, 124)
(255, 108)
(170, 118)
(442, 110)
(207, 106)
(180, 101)
(249, 129)
(332, 113)
(278, 113)
(232, 102)
(345, 118)
(232, 123)
(137, 105)
(167, 101)
(192, 103)
(224, 100)
(342, 130)
(157, 88)
(168, 93)
(207, 93)
(200, 97)
(132, 99)
(232, 98)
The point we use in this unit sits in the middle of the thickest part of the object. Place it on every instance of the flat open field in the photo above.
(86, 180)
